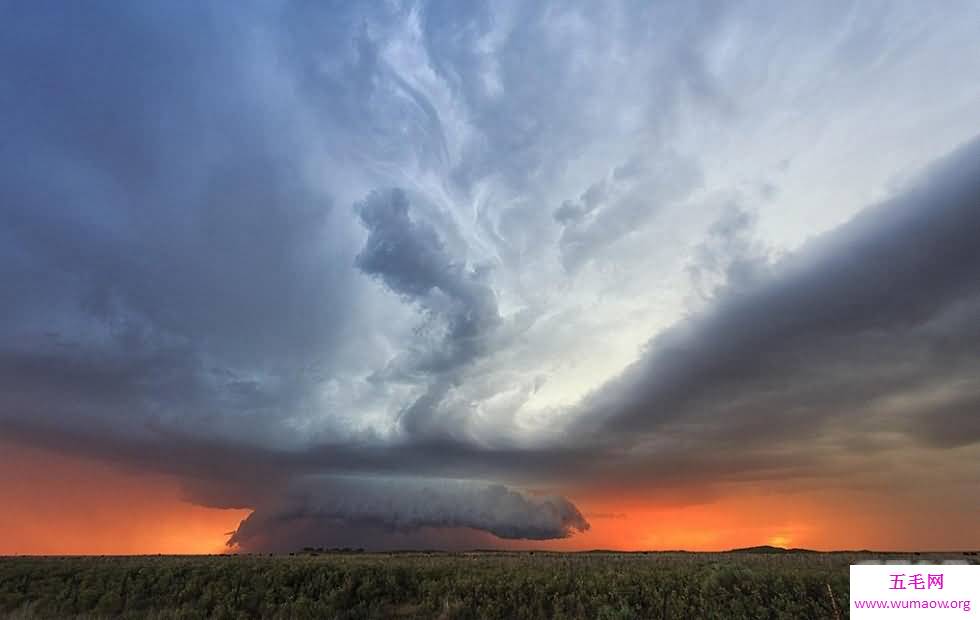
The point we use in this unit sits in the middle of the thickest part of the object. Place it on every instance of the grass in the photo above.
(435, 585)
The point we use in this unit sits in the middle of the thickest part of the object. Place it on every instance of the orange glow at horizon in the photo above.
(823, 520)
(52, 504)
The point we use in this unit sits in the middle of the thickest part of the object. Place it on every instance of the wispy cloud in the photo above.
(450, 252)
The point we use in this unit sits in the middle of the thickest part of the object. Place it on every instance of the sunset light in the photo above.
(504, 309)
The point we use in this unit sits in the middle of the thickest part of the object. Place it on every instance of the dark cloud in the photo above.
(288, 535)
(188, 290)
(409, 257)
(411, 260)
(411, 505)
(883, 306)
(169, 262)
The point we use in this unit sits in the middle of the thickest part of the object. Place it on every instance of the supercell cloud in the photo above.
(434, 275)
(394, 504)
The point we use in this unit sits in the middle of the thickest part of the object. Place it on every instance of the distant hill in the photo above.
(770, 549)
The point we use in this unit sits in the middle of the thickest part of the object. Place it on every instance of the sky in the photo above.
(526, 275)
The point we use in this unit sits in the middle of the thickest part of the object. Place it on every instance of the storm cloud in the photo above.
(870, 307)
(411, 504)
(432, 275)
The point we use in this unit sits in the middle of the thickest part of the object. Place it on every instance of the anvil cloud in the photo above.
(437, 274)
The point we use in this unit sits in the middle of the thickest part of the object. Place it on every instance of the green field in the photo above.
(436, 585)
